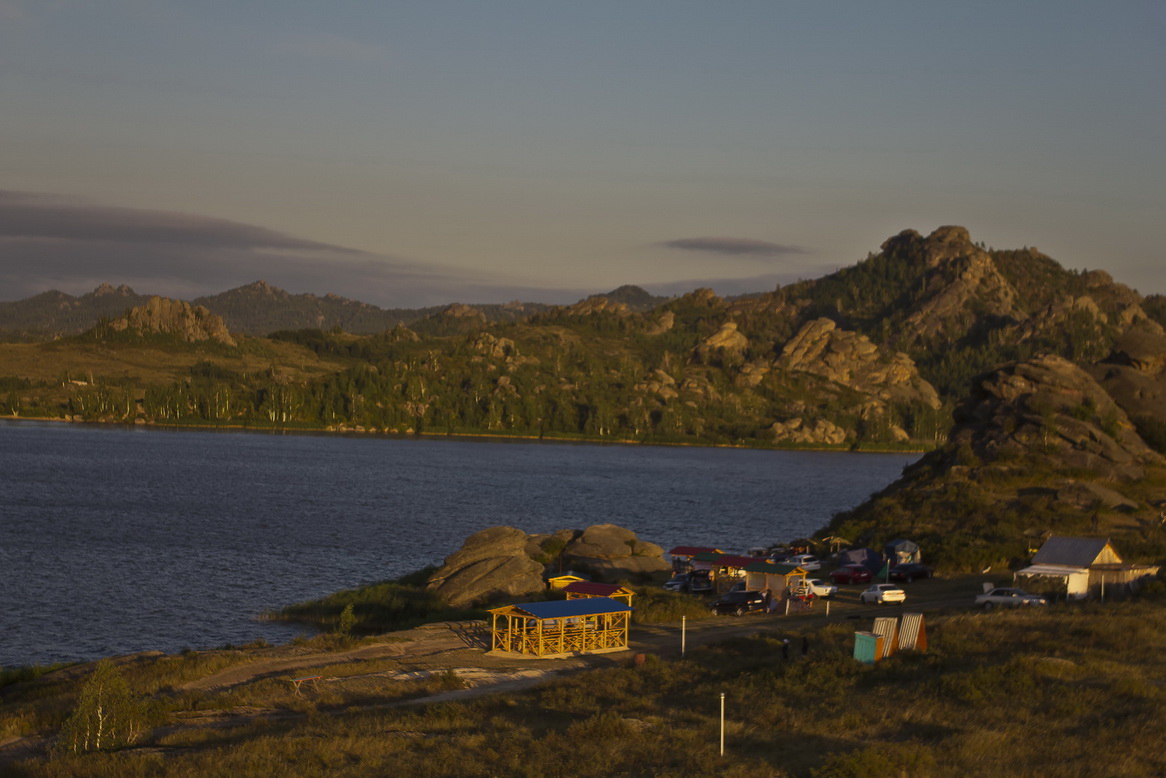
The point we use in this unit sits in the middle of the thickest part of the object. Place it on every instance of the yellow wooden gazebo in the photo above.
(581, 589)
(591, 625)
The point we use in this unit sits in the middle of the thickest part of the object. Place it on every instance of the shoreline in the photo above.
(469, 436)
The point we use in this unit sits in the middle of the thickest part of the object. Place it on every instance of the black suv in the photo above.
(738, 603)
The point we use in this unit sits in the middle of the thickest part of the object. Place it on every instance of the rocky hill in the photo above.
(162, 316)
(1039, 446)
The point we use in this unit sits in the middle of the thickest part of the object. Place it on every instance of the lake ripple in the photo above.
(115, 540)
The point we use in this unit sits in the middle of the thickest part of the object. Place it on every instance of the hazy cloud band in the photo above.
(733, 247)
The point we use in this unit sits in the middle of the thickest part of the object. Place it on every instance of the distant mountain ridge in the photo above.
(257, 309)
(56, 314)
(876, 354)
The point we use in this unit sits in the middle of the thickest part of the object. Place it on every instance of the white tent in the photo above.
(1073, 582)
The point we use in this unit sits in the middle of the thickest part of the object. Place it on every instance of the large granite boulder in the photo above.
(490, 565)
(502, 563)
(614, 553)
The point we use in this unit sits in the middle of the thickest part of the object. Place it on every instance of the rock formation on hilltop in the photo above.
(174, 317)
(505, 563)
(1039, 446)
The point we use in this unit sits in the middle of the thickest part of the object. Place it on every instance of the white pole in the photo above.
(827, 607)
(683, 634)
(722, 723)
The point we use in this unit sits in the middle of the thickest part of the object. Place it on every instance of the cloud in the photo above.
(25, 215)
(54, 242)
(734, 247)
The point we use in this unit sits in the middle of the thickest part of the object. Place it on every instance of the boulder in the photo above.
(504, 563)
(491, 564)
(727, 339)
(614, 553)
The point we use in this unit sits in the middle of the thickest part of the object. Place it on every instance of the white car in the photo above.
(820, 588)
(1008, 598)
(807, 562)
(881, 594)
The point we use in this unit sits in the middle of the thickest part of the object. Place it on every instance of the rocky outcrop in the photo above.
(965, 285)
(852, 360)
(662, 324)
(1134, 374)
(727, 340)
(490, 565)
(1039, 445)
(174, 317)
(597, 305)
(808, 432)
(505, 563)
(1051, 406)
(613, 553)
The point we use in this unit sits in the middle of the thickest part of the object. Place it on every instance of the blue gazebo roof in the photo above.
(562, 609)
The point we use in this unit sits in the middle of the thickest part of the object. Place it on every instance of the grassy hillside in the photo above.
(1068, 690)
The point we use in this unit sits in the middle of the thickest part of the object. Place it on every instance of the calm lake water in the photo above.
(116, 540)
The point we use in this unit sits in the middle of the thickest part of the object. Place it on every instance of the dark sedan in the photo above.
(850, 574)
(909, 571)
(738, 603)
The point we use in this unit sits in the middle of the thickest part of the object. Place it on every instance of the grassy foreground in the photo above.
(1067, 691)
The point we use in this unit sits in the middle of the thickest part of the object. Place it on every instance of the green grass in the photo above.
(1056, 691)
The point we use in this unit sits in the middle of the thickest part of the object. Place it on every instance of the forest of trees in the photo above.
(617, 374)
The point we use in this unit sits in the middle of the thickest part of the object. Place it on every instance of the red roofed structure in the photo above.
(580, 589)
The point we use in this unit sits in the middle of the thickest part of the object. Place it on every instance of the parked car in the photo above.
(700, 582)
(850, 574)
(909, 571)
(1007, 597)
(881, 594)
(695, 582)
(738, 603)
(819, 588)
(807, 562)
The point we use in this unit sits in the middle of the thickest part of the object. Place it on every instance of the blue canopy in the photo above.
(565, 609)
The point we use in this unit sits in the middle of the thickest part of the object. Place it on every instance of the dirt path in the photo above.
(423, 645)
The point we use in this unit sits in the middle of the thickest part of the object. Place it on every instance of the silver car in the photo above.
(1007, 597)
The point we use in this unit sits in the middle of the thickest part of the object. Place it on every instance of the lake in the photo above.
(115, 540)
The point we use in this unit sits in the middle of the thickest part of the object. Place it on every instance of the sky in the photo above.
(419, 153)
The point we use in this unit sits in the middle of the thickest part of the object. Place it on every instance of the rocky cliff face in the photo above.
(176, 317)
(852, 360)
(1051, 407)
(505, 563)
(1038, 446)
(962, 284)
